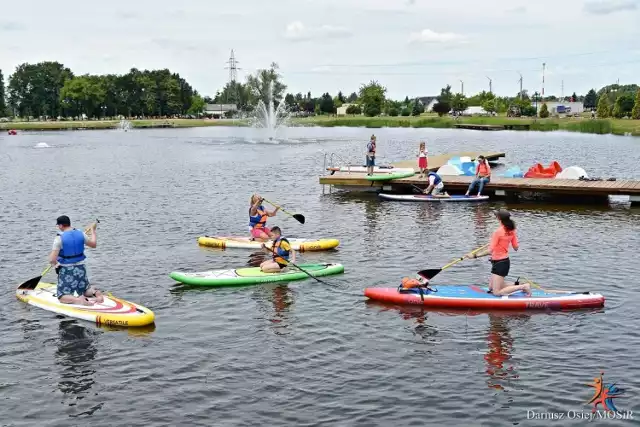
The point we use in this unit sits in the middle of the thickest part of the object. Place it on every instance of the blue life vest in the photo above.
(259, 220)
(279, 254)
(438, 180)
(72, 250)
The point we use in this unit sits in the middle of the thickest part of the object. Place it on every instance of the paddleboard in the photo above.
(430, 198)
(381, 176)
(301, 245)
(476, 297)
(112, 312)
(253, 275)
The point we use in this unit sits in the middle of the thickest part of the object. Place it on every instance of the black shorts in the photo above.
(281, 265)
(500, 267)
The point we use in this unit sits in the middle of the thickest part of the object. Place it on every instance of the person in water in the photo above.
(258, 219)
(68, 253)
(483, 176)
(281, 251)
(436, 186)
(498, 248)
(371, 155)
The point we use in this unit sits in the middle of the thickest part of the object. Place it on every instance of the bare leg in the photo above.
(270, 267)
(70, 299)
(261, 236)
(500, 287)
(95, 294)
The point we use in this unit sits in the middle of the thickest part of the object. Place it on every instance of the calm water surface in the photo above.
(305, 354)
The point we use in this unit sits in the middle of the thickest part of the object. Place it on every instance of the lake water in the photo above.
(304, 353)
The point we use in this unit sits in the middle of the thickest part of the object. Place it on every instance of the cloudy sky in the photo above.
(413, 47)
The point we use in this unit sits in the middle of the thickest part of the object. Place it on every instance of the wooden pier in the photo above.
(566, 190)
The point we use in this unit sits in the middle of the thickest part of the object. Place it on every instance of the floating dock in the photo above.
(519, 126)
(566, 190)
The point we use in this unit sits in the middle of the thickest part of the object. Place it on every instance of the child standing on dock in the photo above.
(422, 159)
(371, 155)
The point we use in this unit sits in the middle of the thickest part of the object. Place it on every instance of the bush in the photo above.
(544, 111)
(393, 111)
(406, 112)
(354, 109)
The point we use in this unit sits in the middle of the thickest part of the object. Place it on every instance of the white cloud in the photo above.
(430, 36)
(605, 7)
(298, 31)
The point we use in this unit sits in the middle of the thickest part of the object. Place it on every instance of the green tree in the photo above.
(405, 112)
(603, 107)
(443, 106)
(352, 98)
(258, 85)
(393, 111)
(197, 105)
(574, 97)
(635, 112)
(459, 103)
(290, 100)
(326, 104)
(234, 93)
(590, 100)
(354, 109)
(372, 97)
(3, 105)
(34, 89)
(341, 98)
(490, 106)
(417, 107)
(544, 111)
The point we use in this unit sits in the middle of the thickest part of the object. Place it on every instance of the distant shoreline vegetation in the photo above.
(583, 125)
(48, 96)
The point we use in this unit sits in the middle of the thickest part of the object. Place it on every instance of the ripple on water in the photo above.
(304, 353)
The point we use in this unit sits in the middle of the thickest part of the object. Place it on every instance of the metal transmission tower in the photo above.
(233, 67)
(520, 94)
(490, 87)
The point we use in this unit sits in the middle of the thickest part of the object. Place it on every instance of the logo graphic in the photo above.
(604, 394)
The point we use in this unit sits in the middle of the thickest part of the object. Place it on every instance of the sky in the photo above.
(412, 47)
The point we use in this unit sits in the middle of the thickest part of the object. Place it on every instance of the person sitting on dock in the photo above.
(436, 186)
(483, 176)
(258, 219)
(371, 155)
(68, 253)
(281, 250)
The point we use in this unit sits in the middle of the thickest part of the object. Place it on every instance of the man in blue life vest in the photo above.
(436, 185)
(371, 155)
(68, 253)
(281, 251)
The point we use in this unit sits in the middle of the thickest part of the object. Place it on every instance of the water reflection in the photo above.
(75, 356)
(279, 295)
(500, 368)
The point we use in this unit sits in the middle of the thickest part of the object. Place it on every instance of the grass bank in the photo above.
(584, 125)
(114, 124)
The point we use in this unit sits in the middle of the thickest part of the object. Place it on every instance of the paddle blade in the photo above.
(31, 283)
(299, 218)
(429, 274)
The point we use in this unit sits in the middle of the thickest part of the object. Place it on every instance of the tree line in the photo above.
(51, 90)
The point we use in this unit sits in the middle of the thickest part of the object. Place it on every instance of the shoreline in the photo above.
(582, 125)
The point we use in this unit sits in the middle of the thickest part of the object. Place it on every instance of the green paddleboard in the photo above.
(389, 176)
(253, 275)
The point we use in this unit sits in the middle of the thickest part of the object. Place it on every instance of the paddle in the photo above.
(431, 273)
(297, 217)
(32, 283)
(307, 273)
(550, 291)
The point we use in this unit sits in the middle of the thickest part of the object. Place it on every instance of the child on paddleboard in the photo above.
(281, 251)
(422, 159)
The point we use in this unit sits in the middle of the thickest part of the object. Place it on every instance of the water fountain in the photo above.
(124, 125)
(269, 117)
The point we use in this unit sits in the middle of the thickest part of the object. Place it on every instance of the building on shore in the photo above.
(218, 111)
(556, 107)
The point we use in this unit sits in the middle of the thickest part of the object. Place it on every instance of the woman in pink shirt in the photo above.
(504, 236)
